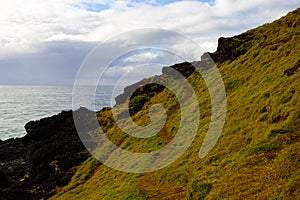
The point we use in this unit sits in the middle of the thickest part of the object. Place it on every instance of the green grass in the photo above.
(198, 190)
(257, 155)
(261, 148)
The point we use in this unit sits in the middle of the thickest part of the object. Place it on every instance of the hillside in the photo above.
(256, 157)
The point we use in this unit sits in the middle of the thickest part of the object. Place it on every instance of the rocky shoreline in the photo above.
(31, 167)
(47, 156)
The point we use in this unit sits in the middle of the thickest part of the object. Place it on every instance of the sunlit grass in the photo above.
(257, 155)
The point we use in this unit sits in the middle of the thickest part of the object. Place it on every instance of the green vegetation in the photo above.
(137, 103)
(199, 190)
(258, 153)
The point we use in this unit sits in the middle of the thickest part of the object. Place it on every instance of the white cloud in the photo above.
(129, 74)
(147, 56)
(117, 71)
(24, 24)
(27, 27)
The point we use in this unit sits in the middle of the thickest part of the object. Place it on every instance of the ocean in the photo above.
(21, 104)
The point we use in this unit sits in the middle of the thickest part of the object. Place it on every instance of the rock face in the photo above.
(231, 48)
(185, 69)
(144, 87)
(32, 166)
(147, 87)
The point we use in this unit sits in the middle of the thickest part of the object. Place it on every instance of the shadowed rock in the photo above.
(32, 166)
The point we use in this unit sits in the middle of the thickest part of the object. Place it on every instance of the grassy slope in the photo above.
(257, 155)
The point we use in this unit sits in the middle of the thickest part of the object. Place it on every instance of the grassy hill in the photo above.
(258, 153)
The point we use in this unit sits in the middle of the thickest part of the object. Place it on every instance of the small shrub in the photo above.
(229, 85)
(137, 103)
(275, 132)
(172, 106)
(266, 95)
(260, 149)
(199, 190)
(287, 97)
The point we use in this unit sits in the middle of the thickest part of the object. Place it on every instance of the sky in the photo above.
(46, 42)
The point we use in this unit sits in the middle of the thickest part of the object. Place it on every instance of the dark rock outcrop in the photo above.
(185, 69)
(231, 48)
(144, 87)
(32, 166)
(149, 88)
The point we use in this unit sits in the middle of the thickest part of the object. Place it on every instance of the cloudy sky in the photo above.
(45, 42)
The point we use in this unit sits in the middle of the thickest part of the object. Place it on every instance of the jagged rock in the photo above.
(25, 163)
(122, 98)
(148, 87)
(185, 69)
(144, 87)
(232, 48)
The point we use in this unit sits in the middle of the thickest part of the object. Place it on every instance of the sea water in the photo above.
(21, 104)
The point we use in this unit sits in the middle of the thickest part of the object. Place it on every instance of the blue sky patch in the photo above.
(165, 2)
(95, 7)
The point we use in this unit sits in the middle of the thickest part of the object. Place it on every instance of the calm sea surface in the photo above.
(21, 104)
